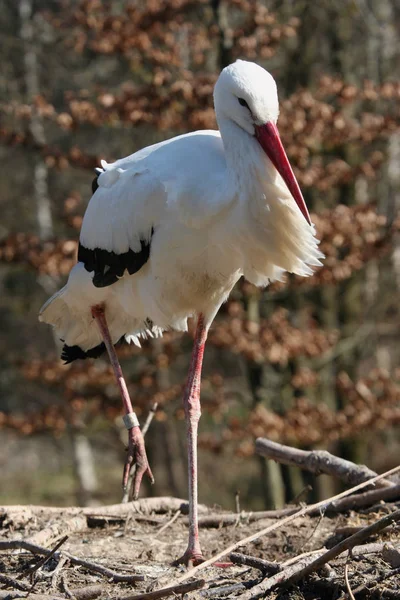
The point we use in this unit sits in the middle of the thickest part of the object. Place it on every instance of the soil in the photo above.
(135, 545)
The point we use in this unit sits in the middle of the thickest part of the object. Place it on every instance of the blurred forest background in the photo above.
(313, 363)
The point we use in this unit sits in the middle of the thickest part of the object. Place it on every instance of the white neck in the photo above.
(247, 163)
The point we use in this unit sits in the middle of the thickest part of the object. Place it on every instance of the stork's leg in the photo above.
(191, 402)
(136, 448)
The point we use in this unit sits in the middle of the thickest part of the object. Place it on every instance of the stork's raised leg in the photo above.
(136, 448)
(191, 402)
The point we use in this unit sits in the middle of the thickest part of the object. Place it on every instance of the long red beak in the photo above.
(270, 141)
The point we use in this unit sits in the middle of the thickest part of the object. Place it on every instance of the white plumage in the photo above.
(193, 214)
(214, 207)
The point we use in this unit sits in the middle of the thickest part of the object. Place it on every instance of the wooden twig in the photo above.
(283, 577)
(237, 502)
(265, 566)
(348, 543)
(161, 505)
(53, 532)
(90, 566)
(389, 594)
(303, 555)
(377, 579)
(9, 595)
(109, 573)
(227, 590)
(168, 524)
(318, 461)
(346, 578)
(88, 592)
(361, 500)
(391, 554)
(224, 519)
(11, 582)
(127, 492)
(168, 591)
(66, 589)
(342, 505)
(44, 560)
(300, 513)
(297, 571)
(306, 489)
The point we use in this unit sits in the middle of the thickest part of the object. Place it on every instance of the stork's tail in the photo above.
(54, 311)
(57, 313)
(69, 312)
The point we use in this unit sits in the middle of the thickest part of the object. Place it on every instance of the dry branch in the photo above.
(168, 591)
(227, 590)
(86, 593)
(353, 502)
(318, 461)
(346, 579)
(89, 565)
(161, 504)
(11, 582)
(323, 504)
(51, 533)
(10, 595)
(224, 519)
(362, 500)
(303, 568)
(283, 577)
(265, 566)
(44, 560)
(168, 524)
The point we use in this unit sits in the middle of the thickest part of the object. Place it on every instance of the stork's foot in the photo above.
(191, 558)
(136, 458)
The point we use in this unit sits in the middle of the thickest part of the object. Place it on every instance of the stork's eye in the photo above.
(243, 102)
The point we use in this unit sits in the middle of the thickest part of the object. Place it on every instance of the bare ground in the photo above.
(146, 545)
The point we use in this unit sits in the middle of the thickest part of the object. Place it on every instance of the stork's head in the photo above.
(246, 94)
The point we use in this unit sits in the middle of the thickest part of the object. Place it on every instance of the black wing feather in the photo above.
(109, 266)
(71, 353)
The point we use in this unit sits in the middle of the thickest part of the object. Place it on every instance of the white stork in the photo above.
(168, 232)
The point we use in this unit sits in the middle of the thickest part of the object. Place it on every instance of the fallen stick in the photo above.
(90, 566)
(318, 461)
(168, 524)
(161, 505)
(224, 519)
(357, 551)
(44, 560)
(265, 566)
(10, 581)
(378, 579)
(86, 593)
(168, 591)
(57, 530)
(226, 590)
(389, 594)
(11, 594)
(342, 505)
(362, 500)
(299, 570)
(346, 579)
(283, 577)
(323, 504)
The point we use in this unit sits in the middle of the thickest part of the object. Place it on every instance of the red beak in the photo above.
(270, 141)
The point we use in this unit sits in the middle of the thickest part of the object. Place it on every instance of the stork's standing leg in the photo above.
(136, 448)
(191, 402)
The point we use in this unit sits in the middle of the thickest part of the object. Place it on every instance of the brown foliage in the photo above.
(334, 133)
